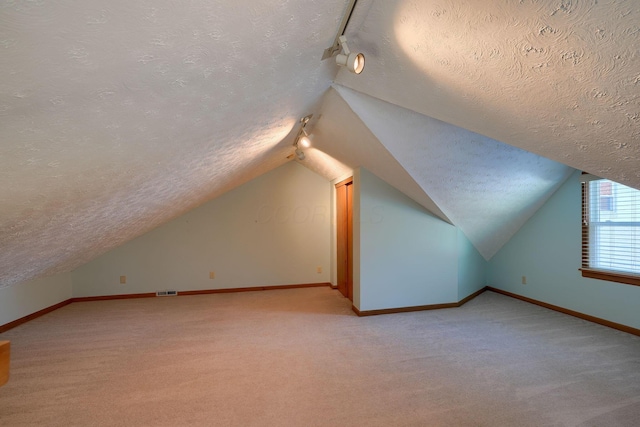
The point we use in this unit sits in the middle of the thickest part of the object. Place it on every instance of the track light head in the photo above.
(353, 61)
(303, 139)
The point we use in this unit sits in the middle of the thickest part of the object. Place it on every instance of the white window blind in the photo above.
(610, 227)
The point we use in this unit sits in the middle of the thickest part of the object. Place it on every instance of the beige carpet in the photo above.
(300, 357)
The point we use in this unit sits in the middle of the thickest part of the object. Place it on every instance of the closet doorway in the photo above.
(344, 239)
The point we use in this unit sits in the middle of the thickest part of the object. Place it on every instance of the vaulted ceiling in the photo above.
(117, 117)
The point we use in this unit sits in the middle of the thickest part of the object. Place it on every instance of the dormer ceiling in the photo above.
(558, 78)
(118, 116)
(487, 188)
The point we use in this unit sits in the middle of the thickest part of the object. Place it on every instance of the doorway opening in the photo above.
(344, 238)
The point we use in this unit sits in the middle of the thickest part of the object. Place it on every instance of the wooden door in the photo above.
(344, 227)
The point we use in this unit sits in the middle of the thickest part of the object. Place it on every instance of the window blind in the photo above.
(610, 227)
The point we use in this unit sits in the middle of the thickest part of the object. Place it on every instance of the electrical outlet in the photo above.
(212, 275)
(524, 280)
(123, 280)
(319, 270)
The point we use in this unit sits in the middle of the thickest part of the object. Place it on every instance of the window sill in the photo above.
(610, 276)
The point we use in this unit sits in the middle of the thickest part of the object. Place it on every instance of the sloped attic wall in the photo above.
(274, 230)
(116, 117)
(487, 188)
(342, 135)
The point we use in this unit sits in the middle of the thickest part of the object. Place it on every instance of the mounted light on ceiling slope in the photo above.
(302, 139)
(353, 61)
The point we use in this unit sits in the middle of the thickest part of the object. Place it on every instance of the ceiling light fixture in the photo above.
(302, 139)
(353, 61)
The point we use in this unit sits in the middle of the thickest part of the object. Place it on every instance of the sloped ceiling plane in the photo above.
(117, 117)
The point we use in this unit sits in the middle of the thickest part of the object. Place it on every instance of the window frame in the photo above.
(586, 270)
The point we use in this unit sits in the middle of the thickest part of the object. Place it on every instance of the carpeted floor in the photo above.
(300, 357)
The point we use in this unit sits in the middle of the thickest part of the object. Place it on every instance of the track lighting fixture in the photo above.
(353, 61)
(302, 139)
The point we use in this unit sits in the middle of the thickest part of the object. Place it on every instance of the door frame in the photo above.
(344, 237)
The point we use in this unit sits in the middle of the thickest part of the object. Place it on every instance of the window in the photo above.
(610, 231)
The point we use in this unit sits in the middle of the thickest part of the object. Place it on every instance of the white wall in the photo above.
(274, 230)
(407, 257)
(23, 299)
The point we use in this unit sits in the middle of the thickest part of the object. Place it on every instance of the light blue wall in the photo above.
(252, 236)
(23, 299)
(407, 257)
(273, 230)
(547, 250)
(472, 267)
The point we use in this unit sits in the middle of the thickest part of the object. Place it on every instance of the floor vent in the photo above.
(166, 293)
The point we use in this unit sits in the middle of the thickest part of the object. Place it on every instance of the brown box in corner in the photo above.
(5, 347)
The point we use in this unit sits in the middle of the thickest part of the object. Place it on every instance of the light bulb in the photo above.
(304, 141)
(357, 64)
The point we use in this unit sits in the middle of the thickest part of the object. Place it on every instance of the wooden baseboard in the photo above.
(11, 325)
(200, 292)
(252, 289)
(417, 307)
(403, 309)
(111, 297)
(603, 322)
(25, 319)
(5, 352)
(463, 301)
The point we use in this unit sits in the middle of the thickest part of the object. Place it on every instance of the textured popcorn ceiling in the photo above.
(560, 78)
(118, 116)
(487, 188)
(341, 133)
